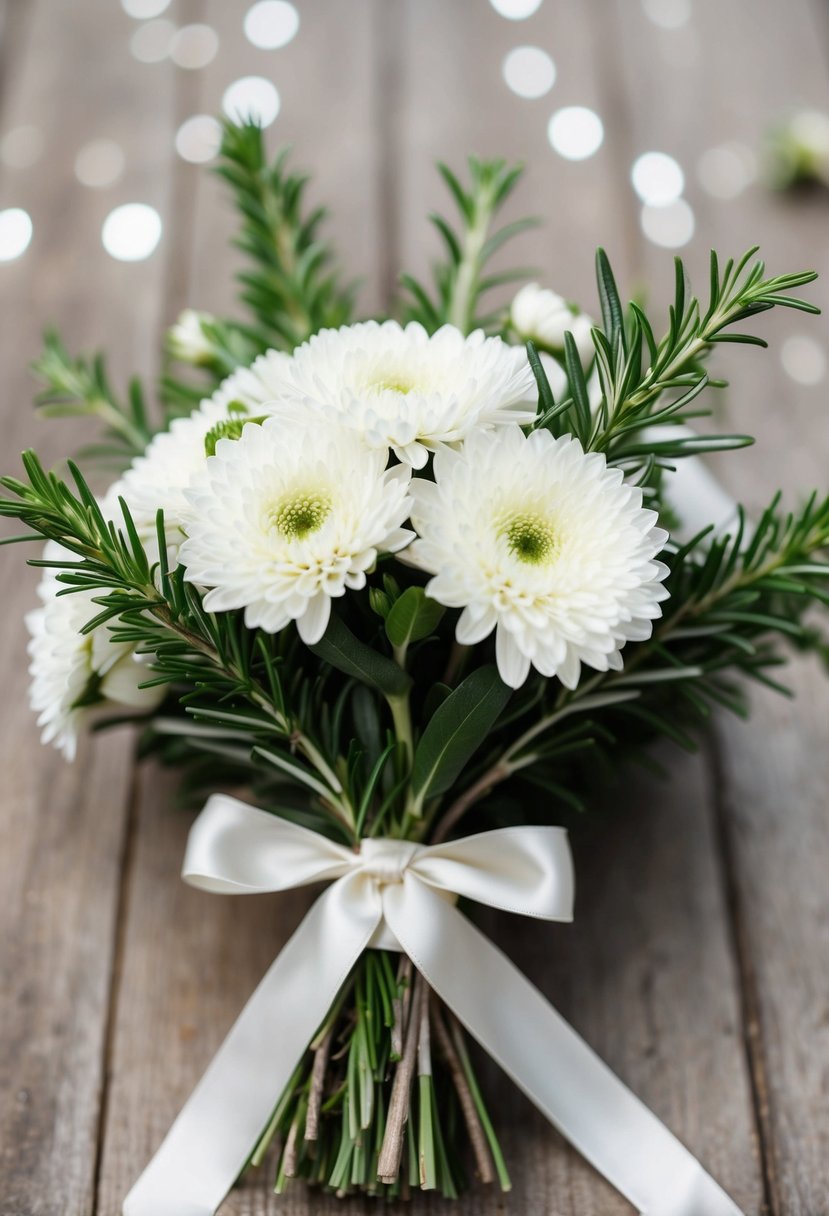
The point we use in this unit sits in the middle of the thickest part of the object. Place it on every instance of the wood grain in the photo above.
(697, 962)
(591, 202)
(326, 78)
(772, 773)
(61, 826)
(175, 1005)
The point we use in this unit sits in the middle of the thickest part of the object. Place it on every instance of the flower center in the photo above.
(228, 428)
(301, 514)
(394, 383)
(530, 538)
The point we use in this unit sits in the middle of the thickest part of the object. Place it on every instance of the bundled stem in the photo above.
(356, 1114)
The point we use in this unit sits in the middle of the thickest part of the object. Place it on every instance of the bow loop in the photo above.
(236, 849)
(527, 870)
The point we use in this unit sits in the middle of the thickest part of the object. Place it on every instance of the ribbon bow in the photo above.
(400, 895)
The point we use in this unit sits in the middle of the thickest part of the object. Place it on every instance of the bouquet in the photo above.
(415, 586)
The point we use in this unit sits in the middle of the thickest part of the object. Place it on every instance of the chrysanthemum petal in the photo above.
(289, 516)
(532, 535)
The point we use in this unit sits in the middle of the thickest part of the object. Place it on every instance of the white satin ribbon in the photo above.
(405, 889)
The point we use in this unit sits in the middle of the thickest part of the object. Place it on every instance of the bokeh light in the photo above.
(152, 42)
(668, 14)
(671, 226)
(271, 24)
(803, 359)
(657, 178)
(529, 71)
(99, 163)
(251, 97)
(575, 132)
(198, 139)
(15, 233)
(726, 170)
(515, 10)
(142, 10)
(131, 232)
(194, 46)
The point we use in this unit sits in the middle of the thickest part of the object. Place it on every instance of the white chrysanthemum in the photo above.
(541, 316)
(547, 545)
(404, 390)
(73, 673)
(160, 477)
(288, 516)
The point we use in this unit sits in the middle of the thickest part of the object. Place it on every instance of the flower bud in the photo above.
(539, 315)
(186, 339)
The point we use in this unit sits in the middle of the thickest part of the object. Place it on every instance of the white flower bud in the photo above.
(186, 340)
(541, 316)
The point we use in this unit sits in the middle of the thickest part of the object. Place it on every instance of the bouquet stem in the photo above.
(386, 1099)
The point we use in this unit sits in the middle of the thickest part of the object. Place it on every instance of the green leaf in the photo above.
(412, 617)
(613, 318)
(342, 650)
(456, 731)
(578, 386)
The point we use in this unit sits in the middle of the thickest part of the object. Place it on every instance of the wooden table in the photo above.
(698, 962)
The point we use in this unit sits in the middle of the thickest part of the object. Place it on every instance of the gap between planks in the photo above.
(617, 100)
(747, 988)
(125, 872)
(183, 189)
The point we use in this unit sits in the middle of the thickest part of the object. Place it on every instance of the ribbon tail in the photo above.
(546, 1059)
(213, 1136)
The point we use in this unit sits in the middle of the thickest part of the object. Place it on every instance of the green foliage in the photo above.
(226, 346)
(412, 617)
(460, 281)
(455, 732)
(80, 387)
(647, 382)
(290, 286)
(341, 735)
(343, 650)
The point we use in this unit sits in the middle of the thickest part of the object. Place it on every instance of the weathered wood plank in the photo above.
(773, 773)
(326, 80)
(175, 1005)
(62, 827)
(685, 1059)
(653, 989)
(452, 101)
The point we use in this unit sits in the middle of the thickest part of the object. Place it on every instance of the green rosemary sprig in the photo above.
(79, 387)
(645, 382)
(460, 281)
(291, 285)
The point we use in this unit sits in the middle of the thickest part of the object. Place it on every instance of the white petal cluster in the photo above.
(544, 544)
(288, 516)
(539, 315)
(73, 673)
(403, 389)
(159, 478)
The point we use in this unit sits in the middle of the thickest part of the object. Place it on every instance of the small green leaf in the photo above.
(379, 602)
(612, 314)
(342, 650)
(412, 617)
(456, 731)
(578, 386)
